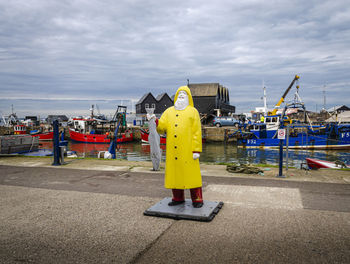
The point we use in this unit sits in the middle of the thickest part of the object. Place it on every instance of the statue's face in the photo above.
(182, 101)
(182, 96)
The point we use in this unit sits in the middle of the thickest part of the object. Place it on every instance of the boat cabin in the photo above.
(272, 122)
(266, 129)
(89, 126)
(79, 125)
(86, 126)
(20, 129)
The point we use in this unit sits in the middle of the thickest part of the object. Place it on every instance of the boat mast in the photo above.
(265, 101)
(92, 112)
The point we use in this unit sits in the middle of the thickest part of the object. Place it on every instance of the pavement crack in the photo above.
(150, 245)
(125, 175)
(82, 179)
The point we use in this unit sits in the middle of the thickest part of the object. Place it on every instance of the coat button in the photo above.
(175, 136)
(175, 147)
(175, 125)
(175, 158)
(177, 115)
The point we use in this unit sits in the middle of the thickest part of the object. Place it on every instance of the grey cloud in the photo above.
(114, 49)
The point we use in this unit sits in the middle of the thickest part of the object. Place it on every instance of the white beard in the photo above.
(181, 104)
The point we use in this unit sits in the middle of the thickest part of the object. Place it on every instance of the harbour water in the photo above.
(212, 152)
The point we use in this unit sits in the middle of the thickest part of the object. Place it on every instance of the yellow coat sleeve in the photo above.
(163, 123)
(196, 133)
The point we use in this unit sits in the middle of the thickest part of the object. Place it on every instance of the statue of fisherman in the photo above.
(182, 126)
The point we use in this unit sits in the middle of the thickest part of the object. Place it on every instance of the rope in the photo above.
(32, 144)
(242, 168)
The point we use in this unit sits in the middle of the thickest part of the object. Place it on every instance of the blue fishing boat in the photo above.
(298, 135)
(330, 136)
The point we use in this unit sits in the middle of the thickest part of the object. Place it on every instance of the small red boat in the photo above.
(319, 164)
(94, 130)
(145, 134)
(98, 138)
(22, 130)
(44, 136)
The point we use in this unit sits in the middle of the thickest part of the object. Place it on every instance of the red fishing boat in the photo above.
(22, 130)
(94, 130)
(44, 135)
(320, 164)
(98, 138)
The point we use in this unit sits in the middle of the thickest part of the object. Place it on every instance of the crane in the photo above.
(274, 111)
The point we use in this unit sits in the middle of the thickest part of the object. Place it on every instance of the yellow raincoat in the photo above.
(183, 137)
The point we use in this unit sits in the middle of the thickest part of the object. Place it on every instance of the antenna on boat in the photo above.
(265, 101)
(92, 111)
(98, 110)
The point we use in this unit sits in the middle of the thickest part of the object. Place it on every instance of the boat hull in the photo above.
(274, 143)
(302, 141)
(321, 164)
(97, 138)
(44, 136)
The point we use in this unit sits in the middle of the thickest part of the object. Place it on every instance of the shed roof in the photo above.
(144, 97)
(204, 89)
(160, 96)
(338, 107)
(63, 118)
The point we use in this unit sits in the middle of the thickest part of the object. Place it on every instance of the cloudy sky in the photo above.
(61, 56)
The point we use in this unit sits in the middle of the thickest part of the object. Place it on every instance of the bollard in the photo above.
(280, 171)
(56, 143)
(287, 147)
(62, 151)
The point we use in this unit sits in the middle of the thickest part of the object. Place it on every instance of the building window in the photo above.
(146, 106)
(153, 106)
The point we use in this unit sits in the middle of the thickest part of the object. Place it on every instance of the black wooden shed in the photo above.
(209, 98)
(160, 103)
(163, 102)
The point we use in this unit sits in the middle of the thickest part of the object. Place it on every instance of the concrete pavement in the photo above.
(66, 215)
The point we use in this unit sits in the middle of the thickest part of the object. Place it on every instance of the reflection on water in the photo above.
(212, 152)
(230, 153)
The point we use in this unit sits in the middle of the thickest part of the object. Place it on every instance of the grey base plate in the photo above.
(185, 211)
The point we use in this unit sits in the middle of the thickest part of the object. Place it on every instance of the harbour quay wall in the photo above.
(211, 134)
(18, 143)
(218, 134)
